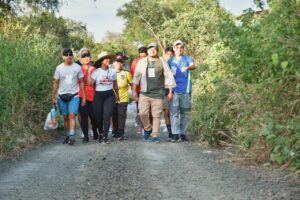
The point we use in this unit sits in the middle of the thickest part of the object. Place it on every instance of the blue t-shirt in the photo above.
(183, 79)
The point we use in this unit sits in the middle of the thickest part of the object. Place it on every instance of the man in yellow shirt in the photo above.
(124, 80)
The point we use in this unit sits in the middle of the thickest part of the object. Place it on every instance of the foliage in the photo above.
(249, 73)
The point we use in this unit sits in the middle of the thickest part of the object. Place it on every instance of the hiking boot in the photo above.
(183, 138)
(72, 140)
(66, 141)
(170, 137)
(175, 138)
(147, 134)
(155, 140)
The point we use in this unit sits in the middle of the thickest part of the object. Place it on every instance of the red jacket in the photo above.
(132, 68)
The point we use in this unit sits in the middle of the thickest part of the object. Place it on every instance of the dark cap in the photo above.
(120, 58)
(67, 51)
(143, 49)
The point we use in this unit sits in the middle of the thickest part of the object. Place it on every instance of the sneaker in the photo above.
(82, 136)
(72, 140)
(122, 138)
(66, 141)
(170, 137)
(183, 138)
(165, 130)
(105, 141)
(147, 134)
(155, 140)
(139, 131)
(85, 140)
(91, 133)
(175, 138)
(115, 133)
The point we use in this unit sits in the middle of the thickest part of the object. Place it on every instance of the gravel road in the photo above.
(134, 169)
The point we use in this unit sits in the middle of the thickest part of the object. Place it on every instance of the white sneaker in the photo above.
(91, 133)
(165, 130)
(81, 136)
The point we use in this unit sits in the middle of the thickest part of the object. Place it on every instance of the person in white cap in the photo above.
(105, 79)
(154, 76)
(181, 65)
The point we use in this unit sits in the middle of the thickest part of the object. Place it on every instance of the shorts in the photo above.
(69, 107)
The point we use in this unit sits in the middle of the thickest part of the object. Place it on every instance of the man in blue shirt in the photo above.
(180, 107)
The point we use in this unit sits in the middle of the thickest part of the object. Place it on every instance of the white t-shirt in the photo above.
(104, 79)
(68, 77)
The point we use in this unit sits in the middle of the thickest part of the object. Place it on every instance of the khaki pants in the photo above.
(156, 105)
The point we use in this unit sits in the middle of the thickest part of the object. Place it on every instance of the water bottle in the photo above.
(53, 116)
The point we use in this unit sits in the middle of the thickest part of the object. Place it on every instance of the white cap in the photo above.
(177, 42)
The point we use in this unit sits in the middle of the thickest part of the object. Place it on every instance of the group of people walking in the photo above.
(98, 92)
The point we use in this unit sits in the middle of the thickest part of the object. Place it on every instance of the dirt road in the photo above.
(134, 169)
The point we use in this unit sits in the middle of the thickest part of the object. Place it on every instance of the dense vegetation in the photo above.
(246, 86)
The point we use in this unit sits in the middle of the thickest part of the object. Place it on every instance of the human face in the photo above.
(105, 62)
(152, 52)
(169, 54)
(118, 66)
(143, 55)
(68, 58)
(179, 49)
(86, 60)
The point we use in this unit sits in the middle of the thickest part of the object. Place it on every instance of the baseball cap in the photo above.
(178, 42)
(84, 52)
(142, 49)
(153, 44)
(67, 51)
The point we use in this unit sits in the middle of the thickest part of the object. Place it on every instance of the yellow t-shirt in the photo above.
(124, 78)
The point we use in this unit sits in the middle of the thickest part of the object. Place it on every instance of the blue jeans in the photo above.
(69, 107)
(179, 110)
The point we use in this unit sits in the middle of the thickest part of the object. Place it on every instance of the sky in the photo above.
(100, 16)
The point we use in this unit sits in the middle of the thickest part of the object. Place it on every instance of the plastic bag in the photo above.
(49, 125)
(131, 108)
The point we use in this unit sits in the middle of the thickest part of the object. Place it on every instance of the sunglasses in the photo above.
(85, 55)
(68, 54)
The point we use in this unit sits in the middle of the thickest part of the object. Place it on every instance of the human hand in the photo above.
(184, 69)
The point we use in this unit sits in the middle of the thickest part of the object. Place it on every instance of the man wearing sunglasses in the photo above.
(66, 78)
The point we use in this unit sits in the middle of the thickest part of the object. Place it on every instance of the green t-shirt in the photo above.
(155, 79)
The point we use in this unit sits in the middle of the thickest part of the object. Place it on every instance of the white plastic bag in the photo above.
(48, 123)
(131, 108)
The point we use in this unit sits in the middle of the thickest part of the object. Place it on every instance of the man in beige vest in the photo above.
(153, 74)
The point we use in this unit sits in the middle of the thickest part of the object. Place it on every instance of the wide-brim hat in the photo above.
(102, 56)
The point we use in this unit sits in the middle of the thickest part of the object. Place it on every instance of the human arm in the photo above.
(191, 66)
(116, 89)
(54, 91)
(81, 85)
(90, 81)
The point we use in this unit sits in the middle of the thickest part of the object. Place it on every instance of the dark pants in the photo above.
(85, 112)
(104, 103)
(119, 116)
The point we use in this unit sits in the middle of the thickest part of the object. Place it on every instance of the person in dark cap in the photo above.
(153, 74)
(124, 80)
(68, 77)
(142, 54)
(87, 112)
